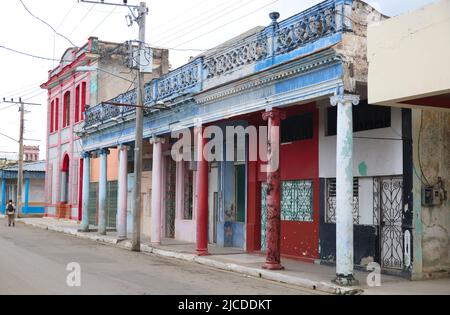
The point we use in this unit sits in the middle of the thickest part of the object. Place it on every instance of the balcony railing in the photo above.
(322, 20)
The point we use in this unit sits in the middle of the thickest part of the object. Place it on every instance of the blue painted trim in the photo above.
(27, 191)
(34, 210)
(315, 77)
(321, 43)
(3, 196)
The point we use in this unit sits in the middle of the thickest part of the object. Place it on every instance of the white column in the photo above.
(102, 192)
(344, 188)
(86, 183)
(122, 193)
(157, 182)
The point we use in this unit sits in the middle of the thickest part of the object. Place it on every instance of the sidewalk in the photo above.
(306, 275)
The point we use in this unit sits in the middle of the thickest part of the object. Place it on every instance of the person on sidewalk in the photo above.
(11, 211)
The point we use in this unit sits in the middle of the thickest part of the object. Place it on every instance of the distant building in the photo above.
(30, 153)
(70, 93)
(33, 187)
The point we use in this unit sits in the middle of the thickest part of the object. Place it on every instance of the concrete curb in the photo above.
(249, 271)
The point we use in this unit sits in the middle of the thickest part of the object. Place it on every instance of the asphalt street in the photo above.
(35, 261)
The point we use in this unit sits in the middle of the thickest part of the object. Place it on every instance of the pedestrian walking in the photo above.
(11, 211)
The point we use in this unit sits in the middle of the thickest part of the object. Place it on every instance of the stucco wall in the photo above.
(434, 150)
(373, 154)
(408, 55)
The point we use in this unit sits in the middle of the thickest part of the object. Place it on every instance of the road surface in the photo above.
(34, 261)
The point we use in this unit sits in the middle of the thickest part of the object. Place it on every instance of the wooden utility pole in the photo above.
(20, 157)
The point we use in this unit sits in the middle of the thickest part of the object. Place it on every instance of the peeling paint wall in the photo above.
(353, 47)
(434, 155)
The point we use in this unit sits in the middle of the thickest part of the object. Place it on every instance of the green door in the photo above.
(93, 202)
(111, 205)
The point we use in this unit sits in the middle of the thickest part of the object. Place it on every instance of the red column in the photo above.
(202, 197)
(273, 190)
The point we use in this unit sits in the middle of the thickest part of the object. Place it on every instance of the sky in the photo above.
(183, 26)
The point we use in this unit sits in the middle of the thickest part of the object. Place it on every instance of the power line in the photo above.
(231, 22)
(41, 20)
(65, 16)
(81, 20)
(200, 17)
(184, 14)
(213, 17)
(104, 19)
(27, 54)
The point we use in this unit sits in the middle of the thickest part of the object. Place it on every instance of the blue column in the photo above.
(27, 190)
(102, 192)
(86, 184)
(3, 196)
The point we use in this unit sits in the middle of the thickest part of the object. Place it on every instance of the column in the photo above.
(3, 196)
(102, 192)
(122, 193)
(344, 188)
(27, 191)
(86, 188)
(157, 182)
(202, 195)
(273, 261)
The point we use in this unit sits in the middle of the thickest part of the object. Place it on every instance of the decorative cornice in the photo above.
(289, 72)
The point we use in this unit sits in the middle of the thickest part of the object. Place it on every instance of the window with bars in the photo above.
(66, 110)
(331, 201)
(297, 201)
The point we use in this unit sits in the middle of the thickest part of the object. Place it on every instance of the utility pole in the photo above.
(136, 235)
(20, 158)
(138, 15)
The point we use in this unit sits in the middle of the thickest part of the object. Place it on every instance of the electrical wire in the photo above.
(27, 54)
(207, 21)
(104, 19)
(81, 20)
(164, 26)
(65, 16)
(231, 22)
(41, 20)
(199, 18)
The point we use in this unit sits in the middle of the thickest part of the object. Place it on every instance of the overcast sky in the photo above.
(176, 24)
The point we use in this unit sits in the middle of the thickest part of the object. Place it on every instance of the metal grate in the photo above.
(331, 201)
(297, 201)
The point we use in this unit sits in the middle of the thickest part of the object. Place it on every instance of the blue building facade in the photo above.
(33, 188)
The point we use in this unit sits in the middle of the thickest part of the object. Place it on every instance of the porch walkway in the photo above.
(312, 276)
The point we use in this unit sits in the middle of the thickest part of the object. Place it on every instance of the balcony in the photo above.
(274, 44)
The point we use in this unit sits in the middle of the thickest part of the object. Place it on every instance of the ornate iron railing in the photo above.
(320, 21)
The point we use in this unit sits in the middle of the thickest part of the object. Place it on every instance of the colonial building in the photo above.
(302, 84)
(30, 153)
(87, 75)
(33, 187)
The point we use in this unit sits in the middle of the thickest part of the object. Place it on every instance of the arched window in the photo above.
(66, 110)
(83, 99)
(77, 104)
(56, 126)
(52, 116)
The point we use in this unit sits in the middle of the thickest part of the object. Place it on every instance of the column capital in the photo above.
(86, 155)
(103, 151)
(345, 99)
(123, 147)
(154, 140)
(275, 114)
